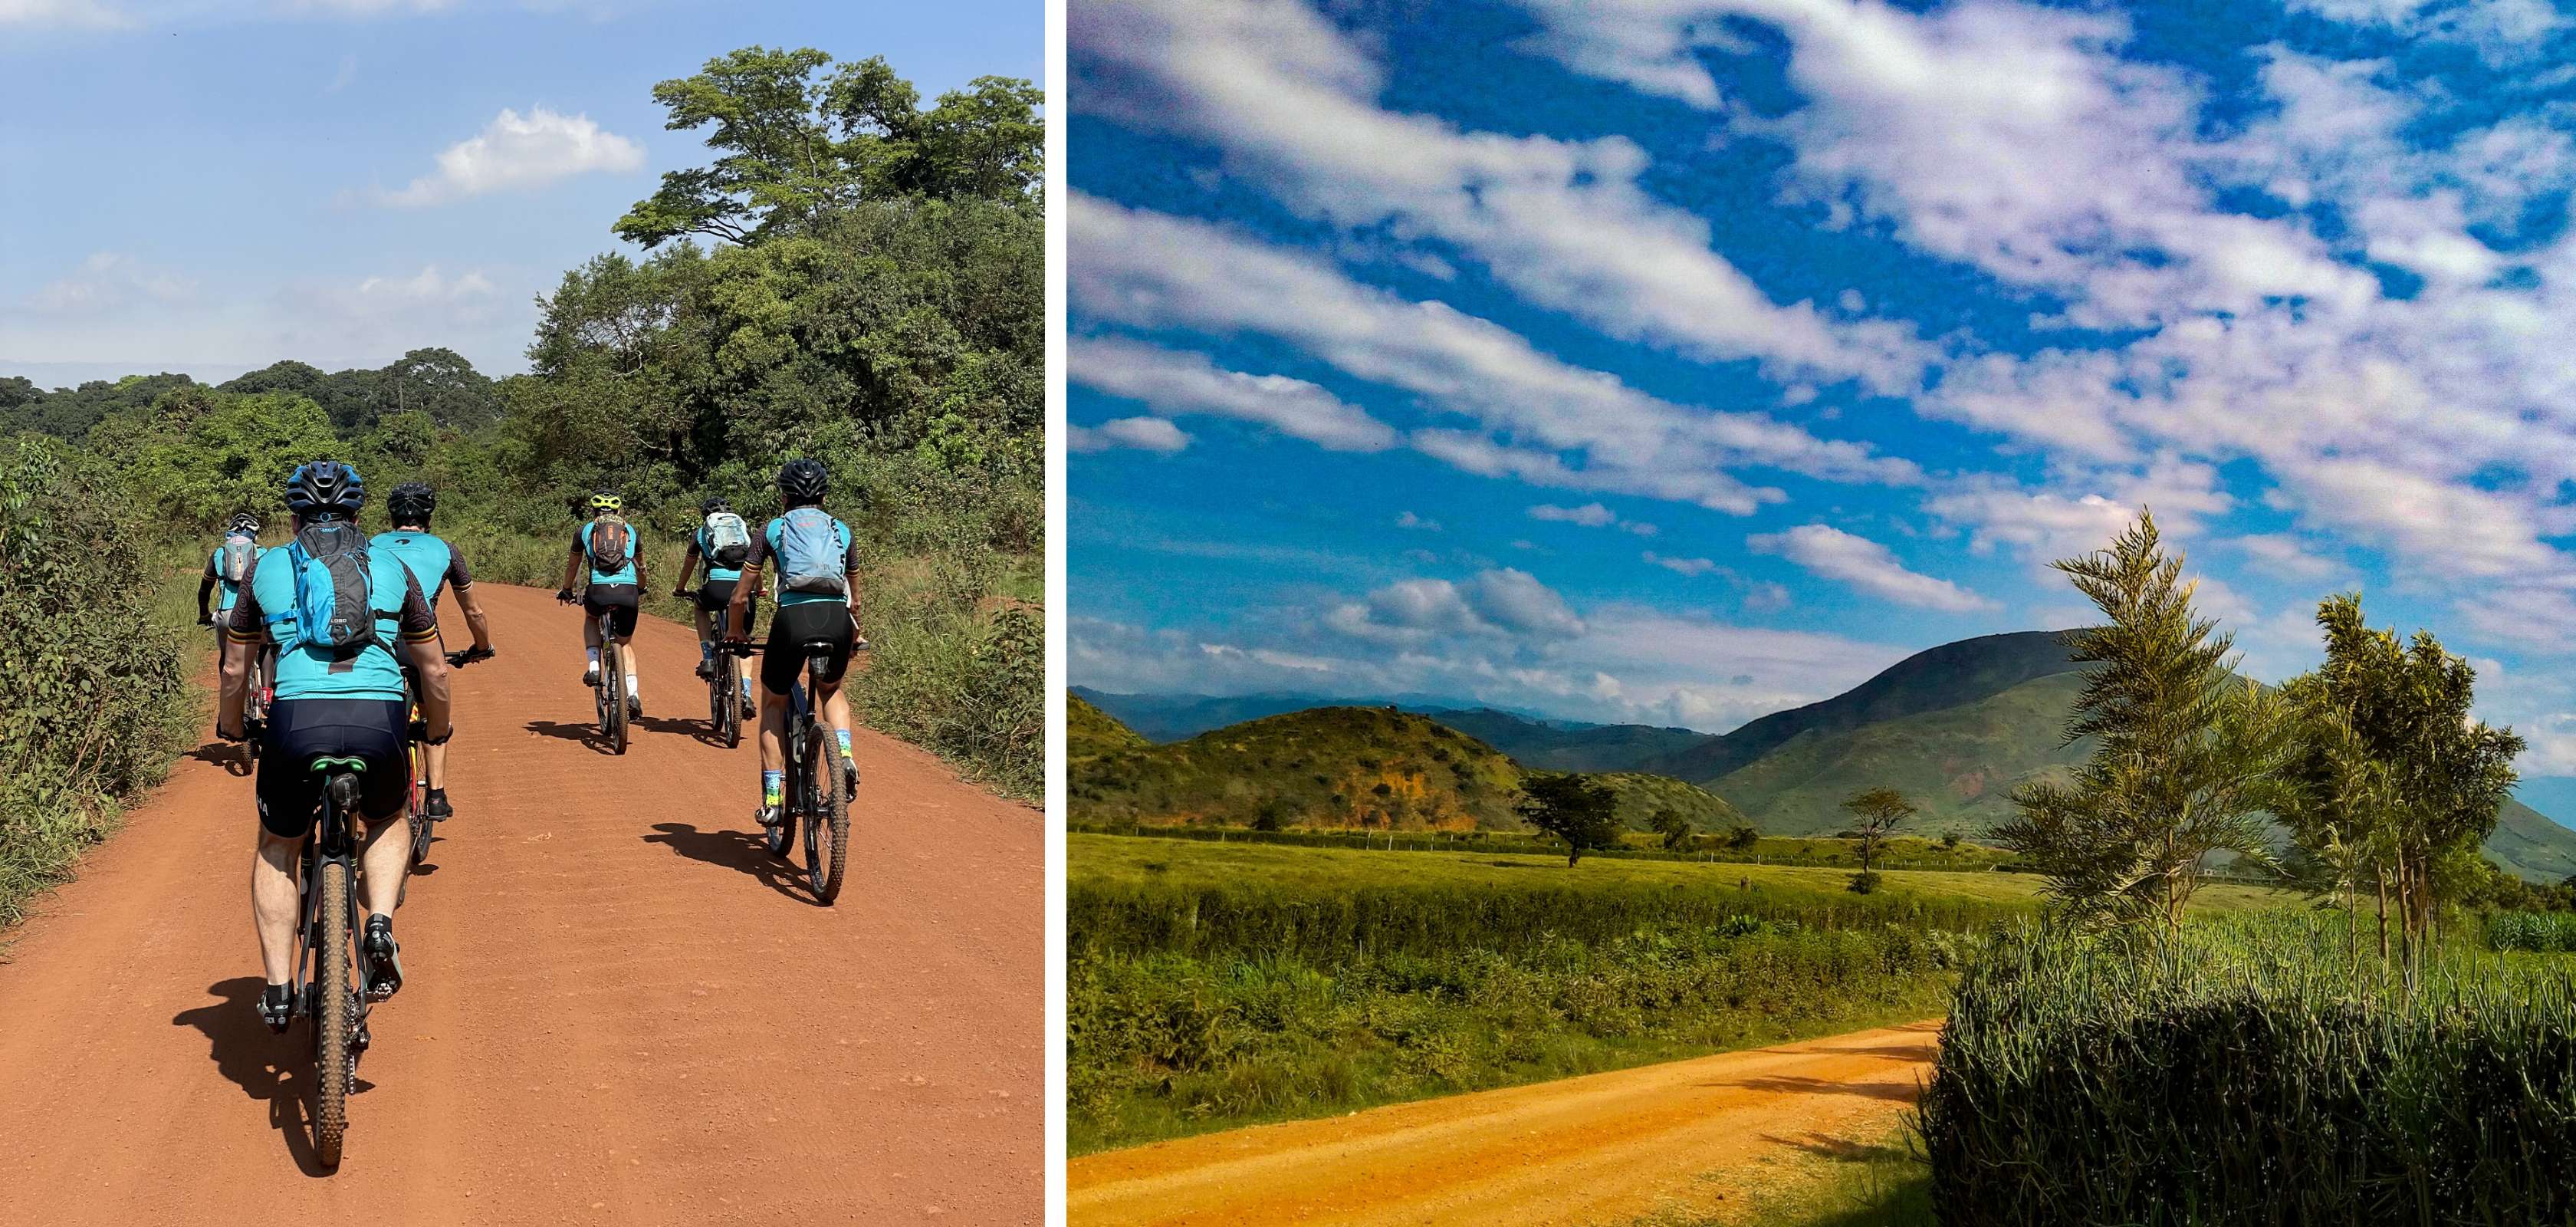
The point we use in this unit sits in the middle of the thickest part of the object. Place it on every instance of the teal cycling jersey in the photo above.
(215, 571)
(433, 562)
(624, 574)
(765, 547)
(715, 570)
(402, 613)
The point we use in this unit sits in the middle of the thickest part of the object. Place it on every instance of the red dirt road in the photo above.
(1602, 1149)
(616, 1011)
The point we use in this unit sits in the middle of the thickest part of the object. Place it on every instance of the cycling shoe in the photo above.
(384, 958)
(438, 810)
(706, 669)
(772, 815)
(849, 777)
(277, 1006)
(634, 708)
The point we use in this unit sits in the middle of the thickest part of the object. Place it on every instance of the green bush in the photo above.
(94, 696)
(2252, 1072)
(2532, 931)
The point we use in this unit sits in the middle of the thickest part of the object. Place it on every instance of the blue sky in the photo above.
(211, 187)
(1681, 360)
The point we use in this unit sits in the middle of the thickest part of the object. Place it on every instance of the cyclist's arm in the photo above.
(205, 589)
(572, 564)
(428, 662)
(461, 580)
(738, 610)
(688, 566)
(850, 578)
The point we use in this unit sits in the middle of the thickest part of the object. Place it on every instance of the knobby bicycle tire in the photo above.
(335, 1057)
(830, 829)
(613, 682)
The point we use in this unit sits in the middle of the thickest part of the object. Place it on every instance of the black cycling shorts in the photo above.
(790, 627)
(300, 730)
(715, 594)
(620, 600)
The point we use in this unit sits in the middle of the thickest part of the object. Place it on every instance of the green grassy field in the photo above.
(1137, 861)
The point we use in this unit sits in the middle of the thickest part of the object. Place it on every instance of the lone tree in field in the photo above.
(1744, 836)
(1669, 823)
(2396, 786)
(2183, 752)
(1583, 814)
(1876, 812)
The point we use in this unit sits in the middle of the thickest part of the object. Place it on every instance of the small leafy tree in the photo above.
(1572, 808)
(1669, 823)
(2183, 757)
(1877, 811)
(1742, 837)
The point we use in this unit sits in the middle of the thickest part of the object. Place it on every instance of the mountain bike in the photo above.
(609, 695)
(422, 825)
(325, 944)
(728, 692)
(815, 800)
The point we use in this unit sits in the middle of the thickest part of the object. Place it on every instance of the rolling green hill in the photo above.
(1366, 767)
(1554, 745)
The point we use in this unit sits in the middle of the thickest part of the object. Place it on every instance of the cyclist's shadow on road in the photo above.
(587, 734)
(275, 1069)
(223, 754)
(741, 850)
(698, 730)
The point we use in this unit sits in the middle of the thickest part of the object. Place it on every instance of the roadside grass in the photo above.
(1093, 859)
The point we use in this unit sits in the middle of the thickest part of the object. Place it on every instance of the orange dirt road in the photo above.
(1601, 1149)
(616, 1009)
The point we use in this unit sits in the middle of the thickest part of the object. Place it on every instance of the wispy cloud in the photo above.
(1865, 565)
(517, 151)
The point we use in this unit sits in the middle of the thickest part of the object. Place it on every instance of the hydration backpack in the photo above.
(239, 553)
(728, 539)
(334, 590)
(610, 544)
(810, 553)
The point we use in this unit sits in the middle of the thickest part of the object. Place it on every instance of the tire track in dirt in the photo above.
(618, 1011)
(1600, 1149)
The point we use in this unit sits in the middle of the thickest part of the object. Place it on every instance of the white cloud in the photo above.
(515, 151)
(1504, 603)
(367, 8)
(1590, 515)
(1410, 520)
(345, 76)
(66, 14)
(1685, 566)
(1866, 565)
(1150, 270)
(2281, 555)
(110, 281)
(1566, 224)
(1143, 434)
(1176, 384)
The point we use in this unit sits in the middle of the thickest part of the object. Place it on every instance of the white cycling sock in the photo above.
(631, 686)
(593, 654)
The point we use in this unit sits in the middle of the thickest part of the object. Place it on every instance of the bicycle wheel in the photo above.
(725, 698)
(335, 1023)
(827, 834)
(613, 685)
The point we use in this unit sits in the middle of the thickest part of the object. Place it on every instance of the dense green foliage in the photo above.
(91, 706)
(1899, 853)
(2538, 932)
(883, 312)
(2250, 1072)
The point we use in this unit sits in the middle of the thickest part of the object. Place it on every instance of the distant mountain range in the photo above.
(1956, 727)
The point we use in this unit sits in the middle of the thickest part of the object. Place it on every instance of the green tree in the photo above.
(1669, 823)
(2183, 753)
(1877, 811)
(1743, 837)
(797, 144)
(2396, 783)
(1572, 808)
(235, 457)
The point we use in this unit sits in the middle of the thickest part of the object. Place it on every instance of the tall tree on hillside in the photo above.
(1669, 823)
(1876, 812)
(2183, 752)
(796, 143)
(2397, 783)
(1572, 808)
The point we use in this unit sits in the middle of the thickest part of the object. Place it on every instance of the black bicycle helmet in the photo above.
(712, 504)
(325, 488)
(245, 523)
(412, 503)
(803, 482)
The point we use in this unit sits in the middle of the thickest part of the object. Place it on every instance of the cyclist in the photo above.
(721, 541)
(338, 701)
(607, 546)
(226, 570)
(818, 598)
(436, 566)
